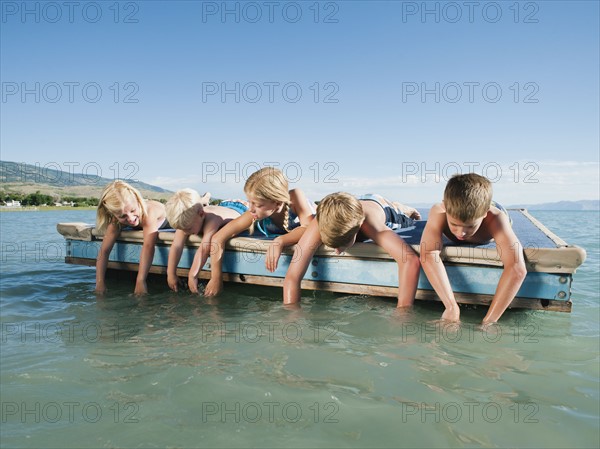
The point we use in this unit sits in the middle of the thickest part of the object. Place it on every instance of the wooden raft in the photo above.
(365, 269)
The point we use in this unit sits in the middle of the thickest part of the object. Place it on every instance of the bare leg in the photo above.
(407, 210)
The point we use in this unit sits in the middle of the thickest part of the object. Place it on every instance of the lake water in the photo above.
(177, 370)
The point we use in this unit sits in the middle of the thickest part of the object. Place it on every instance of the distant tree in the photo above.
(13, 196)
(36, 199)
(81, 201)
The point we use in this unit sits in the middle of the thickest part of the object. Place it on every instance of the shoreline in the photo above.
(44, 208)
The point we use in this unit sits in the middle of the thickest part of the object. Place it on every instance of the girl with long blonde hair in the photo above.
(274, 211)
(122, 206)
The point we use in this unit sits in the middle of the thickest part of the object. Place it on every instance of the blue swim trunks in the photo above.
(237, 205)
(394, 218)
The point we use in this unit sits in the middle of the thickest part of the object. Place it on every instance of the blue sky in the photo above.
(362, 96)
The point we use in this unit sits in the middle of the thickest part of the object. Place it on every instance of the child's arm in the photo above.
(407, 260)
(431, 261)
(305, 249)
(300, 205)
(211, 226)
(217, 247)
(150, 231)
(199, 261)
(108, 241)
(174, 258)
(514, 272)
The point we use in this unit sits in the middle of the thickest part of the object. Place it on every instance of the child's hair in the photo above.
(182, 207)
(269, 184)
(468, 197)
(111, 203)
(339, 217)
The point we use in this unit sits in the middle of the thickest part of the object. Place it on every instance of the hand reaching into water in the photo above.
(213, 288)
(273, 254)
(140, 288)
(172, 281)
(193, 284)
(452, 314)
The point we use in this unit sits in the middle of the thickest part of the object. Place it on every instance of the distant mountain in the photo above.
(13, 172)
(27, 178)
(562, 205)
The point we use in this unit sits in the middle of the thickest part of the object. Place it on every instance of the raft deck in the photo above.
(365, 269)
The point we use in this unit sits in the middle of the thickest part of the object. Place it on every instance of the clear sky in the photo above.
(389, 97)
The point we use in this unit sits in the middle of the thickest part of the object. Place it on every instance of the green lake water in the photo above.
(177, 370)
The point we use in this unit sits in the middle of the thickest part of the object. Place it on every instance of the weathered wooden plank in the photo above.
(354, 289)
(464, 278)
(558, 257)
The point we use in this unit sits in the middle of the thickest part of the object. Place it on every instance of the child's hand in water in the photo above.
(140, 288)
(172, 281)
(193, 284)
(452, 314)
(213, 288)
(100, 288)
(273, 254)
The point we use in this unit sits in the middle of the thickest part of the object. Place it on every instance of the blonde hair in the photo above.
(339, 217)
(111, 203)
(270, 184)
(468, 197)
(182, 207)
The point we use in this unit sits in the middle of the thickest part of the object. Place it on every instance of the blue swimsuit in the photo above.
(394, 218)
(237, 205)
(267, 228)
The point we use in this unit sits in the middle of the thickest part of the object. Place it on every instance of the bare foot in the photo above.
(407, 210)
(205, 199)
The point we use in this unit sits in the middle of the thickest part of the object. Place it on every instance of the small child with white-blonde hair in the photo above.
(190, 214)
(274, 211)
(122, 205)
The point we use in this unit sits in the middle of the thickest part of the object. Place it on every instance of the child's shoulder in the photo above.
(155, 209)
(372, 212)
(299, 201)
(496, 218)
(437, 216)
(369, 206)
(297, 193)
(438, 208)
(154, 203)
(437, 212)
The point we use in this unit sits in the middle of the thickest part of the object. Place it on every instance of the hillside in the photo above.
(26, 179)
